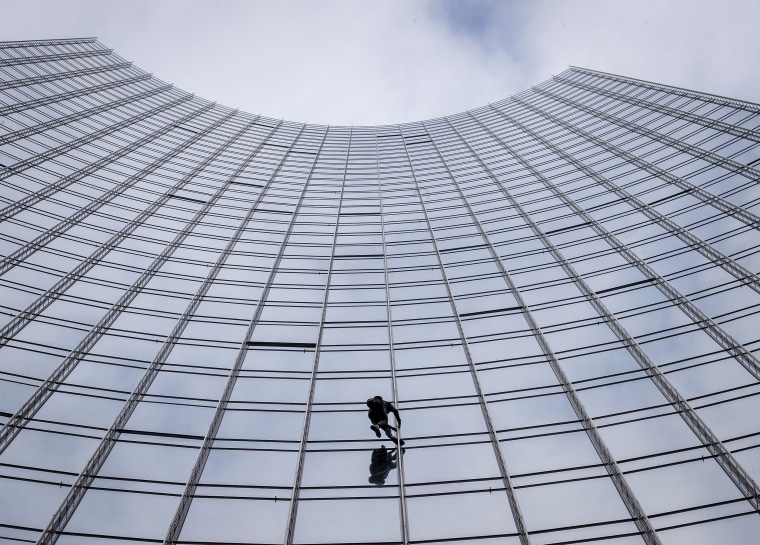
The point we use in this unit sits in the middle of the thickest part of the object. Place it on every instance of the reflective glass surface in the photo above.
(557, 294)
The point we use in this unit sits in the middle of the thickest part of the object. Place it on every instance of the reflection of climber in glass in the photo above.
(378, 414)
(383, 460)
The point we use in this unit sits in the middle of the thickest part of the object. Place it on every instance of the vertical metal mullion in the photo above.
(610, 464)
(87, 138)
(52, 99)
(687, 93)
(27, 411)
(29, 248)
(87, 476)
(48, 78)
(716, 333)
(699, 153)
(500, 460)
(708, 122)
(22, 319)
(291, 527)
(389, 314)
(183, 508)
(724, 458)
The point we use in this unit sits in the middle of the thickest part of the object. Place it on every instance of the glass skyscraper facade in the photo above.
(558, 291)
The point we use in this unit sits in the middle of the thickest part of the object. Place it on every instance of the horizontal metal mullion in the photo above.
(54, 57)
(54, 41)
(85, 479)
(721, 204)
(734, 130)
(47, 78)
(729, 265)
(613, 470)
(741, 354)
(678, 91)
(306, 428)
(725, 459)
(711, 157)
(509, 489)
(44, 101)
(76, 116)
(34, 198)
(25, 251)
(14, 425)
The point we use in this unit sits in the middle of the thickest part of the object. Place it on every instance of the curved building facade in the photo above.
(558, 291)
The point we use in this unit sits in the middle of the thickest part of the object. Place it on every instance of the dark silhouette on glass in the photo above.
(378, 414)
(383, 460)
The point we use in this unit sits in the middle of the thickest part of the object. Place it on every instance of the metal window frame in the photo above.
(15, 61)
(403, 511)
(89, 473)
(707, 122)
(52, 41)
(47, 78)
(82, 140)
(617, 477)
(718, 202)
(722, 455)
(22, 319)
(293, 509)
(716, 333)
(84, 91)
(64, 225)
(175, 527)
(678, 91)
(35, 402)
(501, 462)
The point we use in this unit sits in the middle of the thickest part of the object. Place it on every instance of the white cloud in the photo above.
(344, 62)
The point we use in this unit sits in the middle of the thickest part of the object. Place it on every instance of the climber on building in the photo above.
(378, 415)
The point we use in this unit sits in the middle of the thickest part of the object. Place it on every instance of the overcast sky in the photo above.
(361, 62)
(358, 62)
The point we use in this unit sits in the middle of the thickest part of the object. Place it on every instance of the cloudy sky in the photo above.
(357, 62)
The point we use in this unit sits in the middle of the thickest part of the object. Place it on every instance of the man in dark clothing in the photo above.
(378, 415)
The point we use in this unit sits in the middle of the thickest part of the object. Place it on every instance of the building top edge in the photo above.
(664, 86)
(52, 41)
(522, 94)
